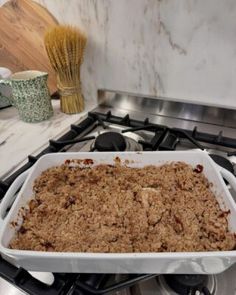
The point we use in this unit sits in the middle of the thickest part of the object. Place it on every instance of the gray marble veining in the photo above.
(19, 139)
(184, 50)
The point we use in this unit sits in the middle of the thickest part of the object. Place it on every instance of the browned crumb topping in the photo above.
(120, 209)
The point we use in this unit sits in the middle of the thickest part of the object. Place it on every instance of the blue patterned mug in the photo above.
(30, 95)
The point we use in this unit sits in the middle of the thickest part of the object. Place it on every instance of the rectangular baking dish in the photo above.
(182, 262)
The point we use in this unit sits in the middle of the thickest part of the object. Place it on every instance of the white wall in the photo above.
(178, 49)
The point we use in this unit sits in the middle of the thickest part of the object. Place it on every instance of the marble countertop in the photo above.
(19, 139)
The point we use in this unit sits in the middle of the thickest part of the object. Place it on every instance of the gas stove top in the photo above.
(127, 123)
(187, 284)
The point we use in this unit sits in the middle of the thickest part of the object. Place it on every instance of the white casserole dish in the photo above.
(182, 262)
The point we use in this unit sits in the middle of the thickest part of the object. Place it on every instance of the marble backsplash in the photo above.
(184, 50)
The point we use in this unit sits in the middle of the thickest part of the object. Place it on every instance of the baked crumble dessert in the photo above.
(114, 209)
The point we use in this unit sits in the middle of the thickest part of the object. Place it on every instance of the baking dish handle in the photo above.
(11, 194)
(229, 177)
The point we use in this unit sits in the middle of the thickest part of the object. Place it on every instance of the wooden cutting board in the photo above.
(22, 27)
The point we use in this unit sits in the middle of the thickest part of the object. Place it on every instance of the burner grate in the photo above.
(73, 284)
(163, 138)
(21, 279)
(95, 283)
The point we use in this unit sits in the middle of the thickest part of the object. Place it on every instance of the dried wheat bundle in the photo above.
(65, 48)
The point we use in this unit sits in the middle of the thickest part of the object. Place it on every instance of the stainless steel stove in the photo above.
(165, 285)
(124, 122)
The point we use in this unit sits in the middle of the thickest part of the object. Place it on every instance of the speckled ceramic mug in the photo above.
(30, 95)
